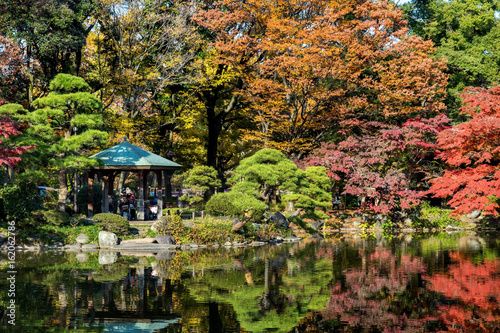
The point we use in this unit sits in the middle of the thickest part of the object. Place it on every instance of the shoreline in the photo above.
(149, 247)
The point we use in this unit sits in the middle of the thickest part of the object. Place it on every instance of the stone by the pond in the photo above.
(292, 239)
(279, 219)
(474, 215)
(77, 246)
(81, 257)
(107, 239)
(165, 255)
(193, 245)
(165, 239)
(257, 243)
(146, 247)
(89, 246)
(228, 244)
(107, 257)
(317, 225)
(82, 239)
(148, 240)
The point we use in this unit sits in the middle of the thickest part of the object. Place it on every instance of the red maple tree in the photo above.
(472, 151)
(384, 163)
(9, 155)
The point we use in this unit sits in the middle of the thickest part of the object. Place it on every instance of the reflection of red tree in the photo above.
(375, 295)
(476, 292)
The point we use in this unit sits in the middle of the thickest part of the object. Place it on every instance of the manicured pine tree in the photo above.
(64, 126)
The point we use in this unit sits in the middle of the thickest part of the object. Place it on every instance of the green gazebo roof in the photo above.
(127, 156)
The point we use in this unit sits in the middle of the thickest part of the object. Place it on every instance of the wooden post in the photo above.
(168, 184)
(140, 201)
(90, 202)
(159, 193)
(105, 189)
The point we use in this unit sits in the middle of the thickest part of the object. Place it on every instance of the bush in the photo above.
(113, 223)
(212, 231)
(435, 216)
(19, 200)
(170, 225)
(51, 217)
(235, 204)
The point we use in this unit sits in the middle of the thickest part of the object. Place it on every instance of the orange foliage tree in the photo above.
(317, 62)
(472, 151)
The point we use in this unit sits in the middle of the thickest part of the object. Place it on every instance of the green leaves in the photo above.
(66, 83)
(270, 176)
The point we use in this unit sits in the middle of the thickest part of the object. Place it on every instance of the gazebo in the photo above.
(128, 157)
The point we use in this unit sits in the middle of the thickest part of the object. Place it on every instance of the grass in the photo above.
(436, 217)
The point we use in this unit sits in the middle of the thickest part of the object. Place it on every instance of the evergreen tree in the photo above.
(64, 127)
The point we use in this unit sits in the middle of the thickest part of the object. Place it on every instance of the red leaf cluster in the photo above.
(9, 155)
(381, 161)
(472, 151)
(476, 287)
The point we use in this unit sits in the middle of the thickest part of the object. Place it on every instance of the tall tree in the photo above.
(466, 33)
(315, 62)
(472, 151)
(13, 78)
(51, 35)
(139, 48)
(64, 125)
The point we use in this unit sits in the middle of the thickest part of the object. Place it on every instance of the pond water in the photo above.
(413, 283)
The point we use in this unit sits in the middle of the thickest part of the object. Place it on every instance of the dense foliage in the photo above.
(385, 165)
(472, 151)
(270, 176)
(113, 223)
(18, 201)
(10, 155)
(199, 183)
(236, 204)
(171, 225)
(352, 88)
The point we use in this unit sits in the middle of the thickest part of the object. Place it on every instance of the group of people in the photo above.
(127, 205)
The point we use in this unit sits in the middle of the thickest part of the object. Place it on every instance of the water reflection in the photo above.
(438, 283)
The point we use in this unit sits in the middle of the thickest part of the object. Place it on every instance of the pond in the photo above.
(417, 283)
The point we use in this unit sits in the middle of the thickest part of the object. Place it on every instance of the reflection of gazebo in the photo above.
(128, 157)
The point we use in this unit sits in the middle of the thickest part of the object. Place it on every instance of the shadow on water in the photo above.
(410, 284)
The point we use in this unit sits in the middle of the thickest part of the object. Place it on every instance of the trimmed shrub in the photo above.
(170, 225)
(113, 223)
(235, 204)
(51, 217)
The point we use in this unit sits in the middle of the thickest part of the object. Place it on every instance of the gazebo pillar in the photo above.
(105, 190)
(140, 200)
(168, 184)
(90, 204)
(159, 193)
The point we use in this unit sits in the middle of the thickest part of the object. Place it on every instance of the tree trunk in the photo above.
(63, 190)
(123, 177)
(78, 62)
(214, 129)
(9, 175)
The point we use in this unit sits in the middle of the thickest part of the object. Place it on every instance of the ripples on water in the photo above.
(421, 284)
